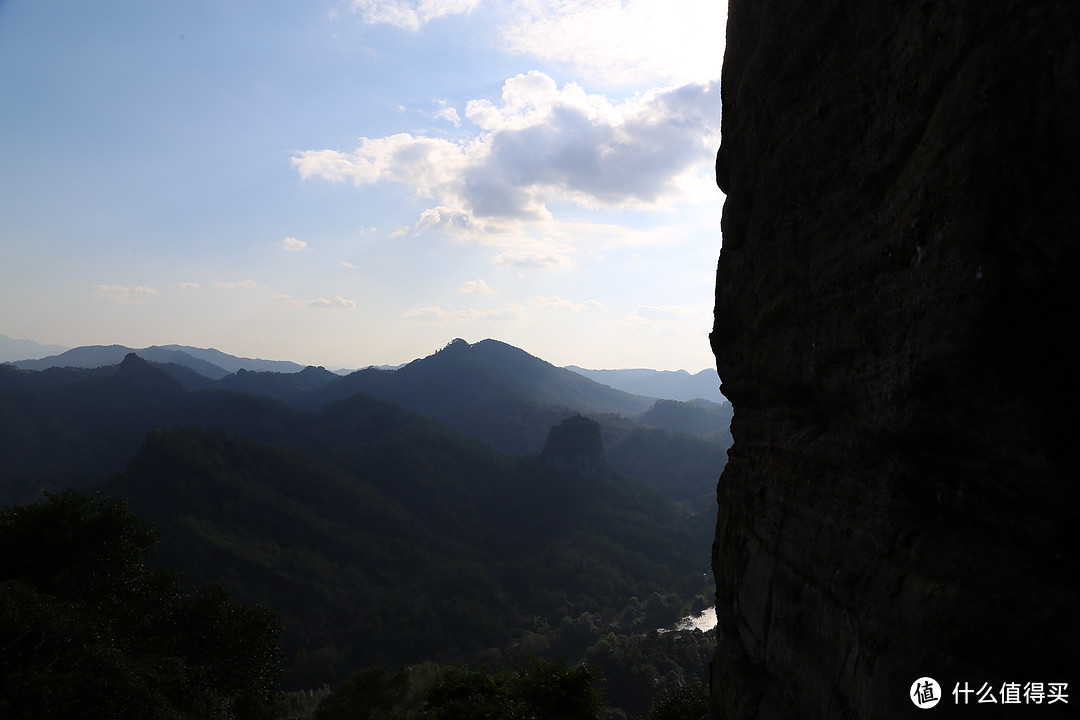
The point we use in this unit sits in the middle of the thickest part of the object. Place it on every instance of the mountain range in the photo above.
(488, 390)
(667, 384)
(214, 364)
(382, 533)
(13, 349)
(208, 362)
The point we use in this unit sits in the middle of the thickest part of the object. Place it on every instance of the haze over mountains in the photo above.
(469, 503)
(30, 355)
(489, 390)
(12, 349)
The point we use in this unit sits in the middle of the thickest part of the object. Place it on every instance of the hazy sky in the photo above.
(358, 182)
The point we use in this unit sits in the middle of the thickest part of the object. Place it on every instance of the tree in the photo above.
(374, 693)
(89, 630)
(690, 702)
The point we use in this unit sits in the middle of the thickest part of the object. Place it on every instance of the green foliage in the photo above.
(373, 693)
(680, 465)
(302, 704)
(383, 536)
(690, 702)
(88, 630)
(537, 690)
(639, 667)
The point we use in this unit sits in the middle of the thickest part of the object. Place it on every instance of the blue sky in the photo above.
(351, 183)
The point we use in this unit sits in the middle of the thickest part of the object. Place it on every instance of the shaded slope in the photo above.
(489, 389)
(71, 434)
(393, 539)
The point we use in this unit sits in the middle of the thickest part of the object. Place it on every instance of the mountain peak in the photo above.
(132, 363)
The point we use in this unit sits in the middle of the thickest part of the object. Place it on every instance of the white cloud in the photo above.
(187, 286)
(557, 303)
(406, 14)
(427, 315)
(609, 41)
(122, 293)
(669, 312)
(541, 144)
(448, 113)
(623, 41)
(347, 264)
(436, 316)
(291, 244)
(476, 286)
(241, 285)
(336, 302)
(532, 260)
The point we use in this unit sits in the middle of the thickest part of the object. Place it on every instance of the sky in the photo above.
(356, 182)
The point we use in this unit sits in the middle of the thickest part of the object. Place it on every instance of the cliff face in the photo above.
(896, 327)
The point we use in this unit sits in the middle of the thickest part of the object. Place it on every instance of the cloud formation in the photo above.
(609, 41)
(335, 302)
(122, 293)
(241, 285)
(406, 14)
(540, 144)
(622, 41)
(476, 286)
(436, 316)
(532, 261)
(448, 113)
(668, 312)
(557, 303)
(291, 244)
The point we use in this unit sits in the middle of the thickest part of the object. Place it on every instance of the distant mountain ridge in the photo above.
(210, 363)
(215, 364)
(664, 384)
(384, 535)
(12, 349)
(488, 390)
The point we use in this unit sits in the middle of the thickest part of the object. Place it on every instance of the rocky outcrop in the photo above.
(896, 328)
(575, 444)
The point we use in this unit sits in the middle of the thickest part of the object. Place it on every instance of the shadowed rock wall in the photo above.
(896, 327)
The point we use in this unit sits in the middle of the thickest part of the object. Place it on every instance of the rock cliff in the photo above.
(896, 328)
(575, 444)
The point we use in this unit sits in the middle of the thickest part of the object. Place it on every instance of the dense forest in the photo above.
(381, 537)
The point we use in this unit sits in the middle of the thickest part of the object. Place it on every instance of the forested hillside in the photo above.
(380, 535)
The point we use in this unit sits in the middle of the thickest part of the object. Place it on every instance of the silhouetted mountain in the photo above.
(488, 389)
(291, 387)
(71, 426)
(209, 362)
(379, 533)
(575, 444)
(15, 378)
(665, 384)
(92, 356)
(696, 417)
(680, 465)
(57, 435)
(12, 349)
(383, 536)
(232, 363)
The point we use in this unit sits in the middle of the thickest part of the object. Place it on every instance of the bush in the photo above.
(88, 630)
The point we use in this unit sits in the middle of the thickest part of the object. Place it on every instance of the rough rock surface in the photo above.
(896, 326)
